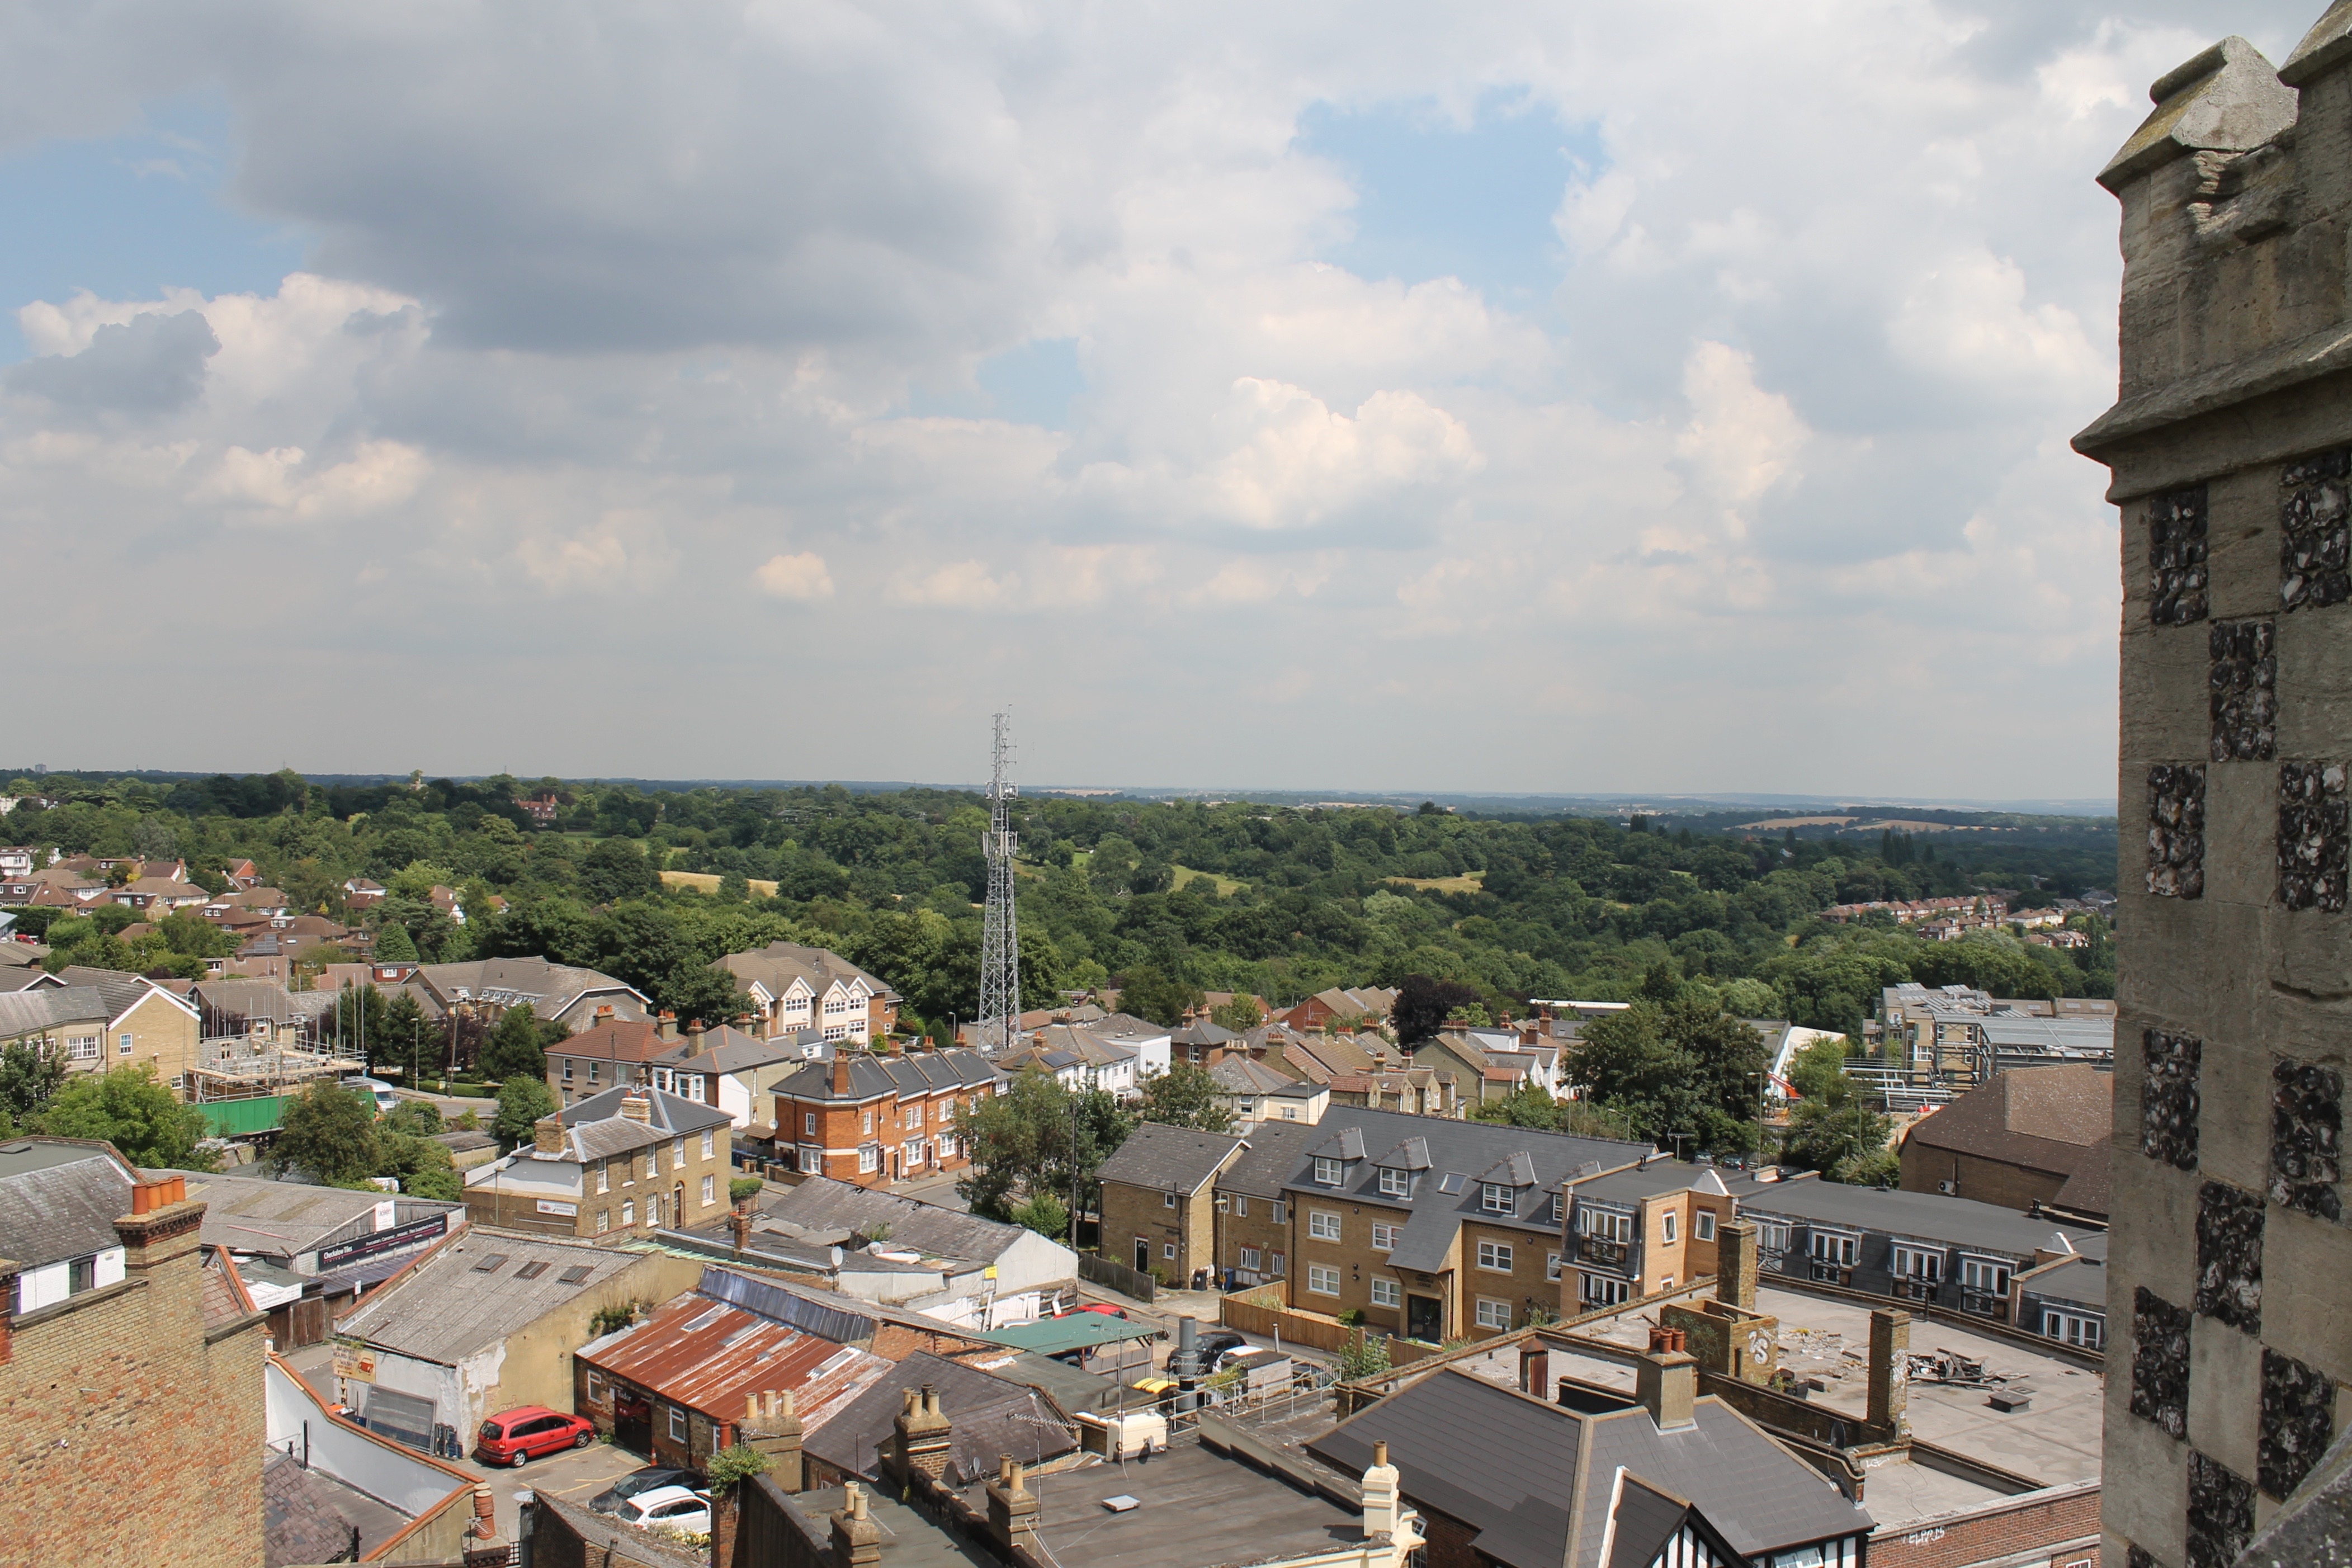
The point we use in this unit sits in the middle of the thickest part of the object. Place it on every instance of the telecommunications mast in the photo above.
(999, 1027)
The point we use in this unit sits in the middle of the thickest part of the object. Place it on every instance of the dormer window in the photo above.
(1327, 1172)
(1395, 1183)
(1494, 1197)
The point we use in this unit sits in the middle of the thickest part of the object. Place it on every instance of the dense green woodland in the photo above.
(1114, 891)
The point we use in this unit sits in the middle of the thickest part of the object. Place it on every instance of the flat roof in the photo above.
(1196, 1508)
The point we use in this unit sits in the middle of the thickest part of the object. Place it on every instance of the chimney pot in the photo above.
(1379, 1452)
(750, 1407)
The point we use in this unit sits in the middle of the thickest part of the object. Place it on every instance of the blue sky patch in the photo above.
(128, 217)
(1435, 198)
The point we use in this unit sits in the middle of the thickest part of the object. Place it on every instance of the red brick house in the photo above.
(871, 1120)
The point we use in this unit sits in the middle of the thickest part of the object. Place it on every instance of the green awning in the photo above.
(1076, 1331)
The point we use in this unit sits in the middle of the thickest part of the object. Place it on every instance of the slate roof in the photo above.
(2074, 1280)
(728, 1049)
(670, 1115)
(822, 1203)
(1458, 1152)
(53, 1006)
(2040, 1118)
(451, 1305)
(1243, 1076)
(1929, 1217)
(59, 1199)
(1509, 1465)
(623, 1545)
(298, 1520)
(989, 1417)
(873, 1077)
(551, 989)
(1270, 1155)
(1162, 1157)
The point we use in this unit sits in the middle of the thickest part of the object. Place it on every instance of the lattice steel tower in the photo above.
(1000, 945)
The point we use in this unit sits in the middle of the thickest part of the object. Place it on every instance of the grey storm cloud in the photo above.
(151, 365)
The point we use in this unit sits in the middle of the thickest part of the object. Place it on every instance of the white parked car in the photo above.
(674, 1508)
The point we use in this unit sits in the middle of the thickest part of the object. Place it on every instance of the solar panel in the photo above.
(531, 1271)
(492, 1264)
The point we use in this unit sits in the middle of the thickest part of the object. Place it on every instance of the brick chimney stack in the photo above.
(1012, 1509)
(694, 1038)
(547, 1135)
(920, 1439)
(857, 1540)
(1890, 1370)
(160, 1235)
(639, 1106)
(841, 1072)
(772, 1427)
(1735, 1264)
(739, 1220)
(1665, 1381)
(667, 1026)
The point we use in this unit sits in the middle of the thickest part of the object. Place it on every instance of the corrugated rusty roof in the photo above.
(707, 1355)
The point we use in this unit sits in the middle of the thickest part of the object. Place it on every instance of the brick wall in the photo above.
(2035, 1523)
(128, 1439)
(1256, 1228)
(1986, 1181)
(1133, 1213)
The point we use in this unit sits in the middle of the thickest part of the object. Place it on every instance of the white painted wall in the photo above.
(387, 1471)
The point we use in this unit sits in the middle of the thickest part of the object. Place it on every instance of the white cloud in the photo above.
(958, 585)
(800, 576)
(599, 309)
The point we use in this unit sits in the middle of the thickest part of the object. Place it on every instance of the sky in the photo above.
(1559, 397)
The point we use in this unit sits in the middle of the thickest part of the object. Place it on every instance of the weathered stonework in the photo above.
(2243, 699)
(2160, 1376)
(2298, 1421)
(2177, 557)
(2229, 1257)
(2306, 1138)
(2312, 840)
(2229, 448)
(2221, 1513)
(2315, 544)
(2168, 1097)
(2176, 830)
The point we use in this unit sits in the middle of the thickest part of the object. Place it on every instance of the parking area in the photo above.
(575, 1476)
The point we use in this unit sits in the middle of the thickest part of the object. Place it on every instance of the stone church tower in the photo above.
(2230, 1291)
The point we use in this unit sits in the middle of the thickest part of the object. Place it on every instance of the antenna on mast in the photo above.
(999, 1024)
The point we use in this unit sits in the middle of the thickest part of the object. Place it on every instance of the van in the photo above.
(376, 1090)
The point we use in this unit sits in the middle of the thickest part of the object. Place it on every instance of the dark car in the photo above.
(530, 1431)
(610, 1500)
(1215, 1344)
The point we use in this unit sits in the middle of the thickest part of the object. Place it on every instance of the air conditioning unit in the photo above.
(1946, 1187)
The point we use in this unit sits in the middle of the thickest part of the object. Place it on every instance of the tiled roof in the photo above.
(2041, 1118)
(670, 1115)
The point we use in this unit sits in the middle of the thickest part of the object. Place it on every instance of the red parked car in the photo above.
(530, 1431)
(1105, 1308)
